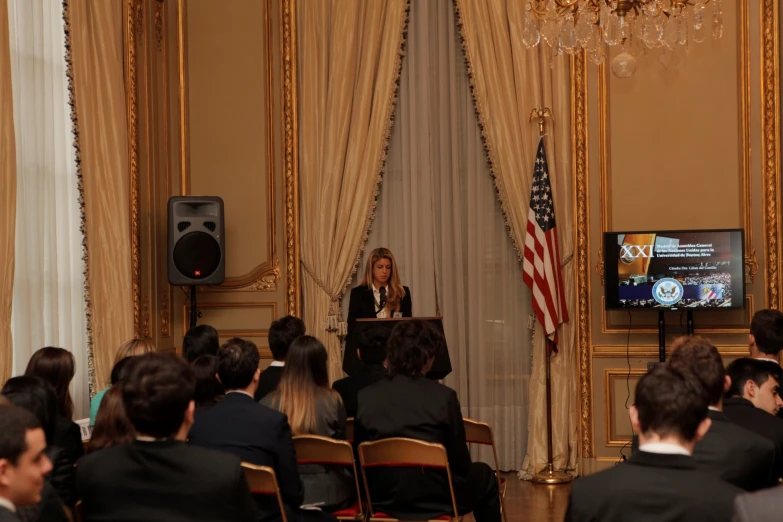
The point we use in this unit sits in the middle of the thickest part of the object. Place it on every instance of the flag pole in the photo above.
(548, 475)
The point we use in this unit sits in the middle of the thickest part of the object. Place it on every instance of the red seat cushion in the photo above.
(384, 515)
(348, 512)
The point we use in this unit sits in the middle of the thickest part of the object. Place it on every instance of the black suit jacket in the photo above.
(68, 436)
(7, 515)
(419, 409)
(268, 381)
(349, 387)
(651, 487)
(256, 434)
(741, 411)
(165, 481)
(362, 305)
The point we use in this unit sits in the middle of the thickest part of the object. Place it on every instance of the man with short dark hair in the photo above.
(660, 481)
(753, 400)
(159, 477)
(256, 434)
(765, 340)
(727, 451)
(23, 461)
(200, 340)
(372, 353)
(281, 334)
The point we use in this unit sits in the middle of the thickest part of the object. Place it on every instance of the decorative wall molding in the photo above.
(134, 24)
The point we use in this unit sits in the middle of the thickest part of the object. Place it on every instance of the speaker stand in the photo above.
(661, 337)
(193, 308)
(689, 322)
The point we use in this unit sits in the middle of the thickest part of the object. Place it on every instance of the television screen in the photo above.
(674, 269)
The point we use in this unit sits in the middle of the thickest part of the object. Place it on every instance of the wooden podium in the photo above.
(352, 364)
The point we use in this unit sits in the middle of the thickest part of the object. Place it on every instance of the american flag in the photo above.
(542, 259)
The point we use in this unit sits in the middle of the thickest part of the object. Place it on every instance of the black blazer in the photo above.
(651, 487)
(741, 411)
(419, 409)
(163, 481)
(256, 434)
(268, 381)
(68, 436)
(7, 515)
(349, 387)
(362, 305)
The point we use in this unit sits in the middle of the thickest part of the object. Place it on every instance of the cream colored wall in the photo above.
(673, 150)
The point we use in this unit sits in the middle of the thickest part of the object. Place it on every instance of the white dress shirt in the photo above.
(768, 360)
(664, 448)
(382, 314)
(279, 364)
(7, 504)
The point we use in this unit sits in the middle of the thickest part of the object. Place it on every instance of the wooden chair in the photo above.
(315, 449)
(402, 452)
(481, 433)
(262, 481)
(77, 512)
(349, 429)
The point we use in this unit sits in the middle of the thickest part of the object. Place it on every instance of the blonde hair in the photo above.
(134, 347)
(396, 292)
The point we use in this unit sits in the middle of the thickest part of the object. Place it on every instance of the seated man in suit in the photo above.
(727, 451)
(254, 433)
(660, 481)
(407, 404)
(23, 461)
(200, 340)
(765, 340)
(753, 401)
(159, 477)
(372, 352)
(281, 334)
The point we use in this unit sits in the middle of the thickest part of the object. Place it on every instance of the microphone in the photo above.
(383, 297)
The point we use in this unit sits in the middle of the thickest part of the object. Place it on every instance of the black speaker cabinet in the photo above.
(196, 253)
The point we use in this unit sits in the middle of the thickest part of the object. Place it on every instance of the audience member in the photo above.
(158, 477)
(766, 335)
(200, 340)
(112, 426)
(23, 461)
(762, 506)
(281, 334)
(56, 366)
(660, 481)
(128, 349)
(254, 433)
(727, 451)
(372, 353)
(407, 404)
(209, 390)
(314, 409)
(752, 402)
(36, 396)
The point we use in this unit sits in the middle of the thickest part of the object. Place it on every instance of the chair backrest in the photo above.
(315, 449)
(262, 481)
(349, 429)
(481, 433)
(402, 452)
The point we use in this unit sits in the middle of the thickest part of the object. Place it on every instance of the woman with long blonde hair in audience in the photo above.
(130, 348)
(313, 408)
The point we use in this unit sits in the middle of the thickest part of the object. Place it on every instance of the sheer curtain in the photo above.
(48, 303)
(439, 214)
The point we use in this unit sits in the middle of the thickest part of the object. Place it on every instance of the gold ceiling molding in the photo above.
(291, 158)
(265, 276)
(133, 27)
(770, 136)
(579, 154)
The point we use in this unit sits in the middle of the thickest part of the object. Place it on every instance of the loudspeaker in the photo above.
(196, 253)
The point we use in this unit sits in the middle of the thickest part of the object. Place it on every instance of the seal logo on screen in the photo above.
(667, 291)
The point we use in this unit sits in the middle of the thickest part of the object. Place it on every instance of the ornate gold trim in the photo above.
(291, 157)
(770, 138)
(608, 373)
(579, 155)
(133, 26)
(650, 351)
(263, 277)
(159, 21)
(225, 332)
(166, 310)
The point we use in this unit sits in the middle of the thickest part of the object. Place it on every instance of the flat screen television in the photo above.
(674, 269)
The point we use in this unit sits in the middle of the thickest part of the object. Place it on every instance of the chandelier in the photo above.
(632, 26)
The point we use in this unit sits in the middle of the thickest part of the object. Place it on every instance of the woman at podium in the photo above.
(380, 295)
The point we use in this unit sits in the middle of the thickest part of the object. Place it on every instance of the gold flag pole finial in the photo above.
(540, 114)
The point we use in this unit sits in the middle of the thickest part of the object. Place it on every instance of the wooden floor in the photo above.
(534, 502)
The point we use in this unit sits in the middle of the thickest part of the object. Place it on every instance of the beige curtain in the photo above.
(96, 30)
(438, 212)
(7, 196)
(508, 82)
(349, 61)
